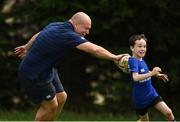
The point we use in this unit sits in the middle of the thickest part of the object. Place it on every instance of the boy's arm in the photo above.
(139, 77)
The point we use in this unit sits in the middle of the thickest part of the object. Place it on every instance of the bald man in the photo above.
(38, 76)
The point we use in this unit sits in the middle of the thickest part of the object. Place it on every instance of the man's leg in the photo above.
(60, 93)
(61, 99)
(47, 110)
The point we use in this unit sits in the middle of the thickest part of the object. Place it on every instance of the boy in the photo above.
(143, 92)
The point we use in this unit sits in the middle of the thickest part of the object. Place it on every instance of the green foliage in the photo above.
(83, 76)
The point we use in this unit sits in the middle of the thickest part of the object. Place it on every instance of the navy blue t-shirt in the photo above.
(51, 45)
(143, 92)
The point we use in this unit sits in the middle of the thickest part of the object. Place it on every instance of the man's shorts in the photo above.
(143, 111)
(42, 88)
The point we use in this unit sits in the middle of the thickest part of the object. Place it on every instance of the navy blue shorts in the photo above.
(143, 111)
(42, 88)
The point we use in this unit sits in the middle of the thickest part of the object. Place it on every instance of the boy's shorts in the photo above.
(42, 88)
(143, 111)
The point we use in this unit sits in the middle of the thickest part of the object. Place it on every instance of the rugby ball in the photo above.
(123, 63)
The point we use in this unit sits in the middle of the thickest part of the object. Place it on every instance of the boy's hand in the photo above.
(163, 77)
(156, 70)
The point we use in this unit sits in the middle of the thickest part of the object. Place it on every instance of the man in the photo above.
(43, 51)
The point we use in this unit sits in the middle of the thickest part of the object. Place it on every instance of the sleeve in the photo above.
(76, 40)
(133, 64)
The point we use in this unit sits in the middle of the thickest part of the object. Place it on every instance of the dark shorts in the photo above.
(42, 89)
(143, 111)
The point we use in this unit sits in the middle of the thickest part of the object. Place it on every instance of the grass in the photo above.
(65, 116)
(71, 116)
(16, 115)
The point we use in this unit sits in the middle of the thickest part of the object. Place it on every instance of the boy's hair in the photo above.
(133, 39)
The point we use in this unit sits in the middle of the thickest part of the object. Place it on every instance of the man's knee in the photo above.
(61, 97)
(47, 110)
(50, 106)
(53, 107)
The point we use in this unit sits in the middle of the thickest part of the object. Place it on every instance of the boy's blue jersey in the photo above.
(51, 45)
(143, 92)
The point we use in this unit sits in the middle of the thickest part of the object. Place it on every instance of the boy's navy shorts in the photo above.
(143, 111)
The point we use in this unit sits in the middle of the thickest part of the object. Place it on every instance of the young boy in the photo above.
(143, 93)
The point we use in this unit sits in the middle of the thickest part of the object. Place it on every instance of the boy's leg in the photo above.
(144, 118)
(165, 110)
(143, 114)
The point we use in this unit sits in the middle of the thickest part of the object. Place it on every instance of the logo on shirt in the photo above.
(82, 38)
(142, 70)
(142, 81)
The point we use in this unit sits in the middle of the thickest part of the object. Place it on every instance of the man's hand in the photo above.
(20, 51)
(118, 58)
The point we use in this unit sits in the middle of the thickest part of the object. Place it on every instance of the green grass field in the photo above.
(71, 116)
(65, 116)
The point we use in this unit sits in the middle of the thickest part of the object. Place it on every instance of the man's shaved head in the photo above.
(80, 17)
(81, 23)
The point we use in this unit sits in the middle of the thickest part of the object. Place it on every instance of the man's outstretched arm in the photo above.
(99, 51)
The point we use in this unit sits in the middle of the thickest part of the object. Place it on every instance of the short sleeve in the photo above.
(75, 40)
(133, 64)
